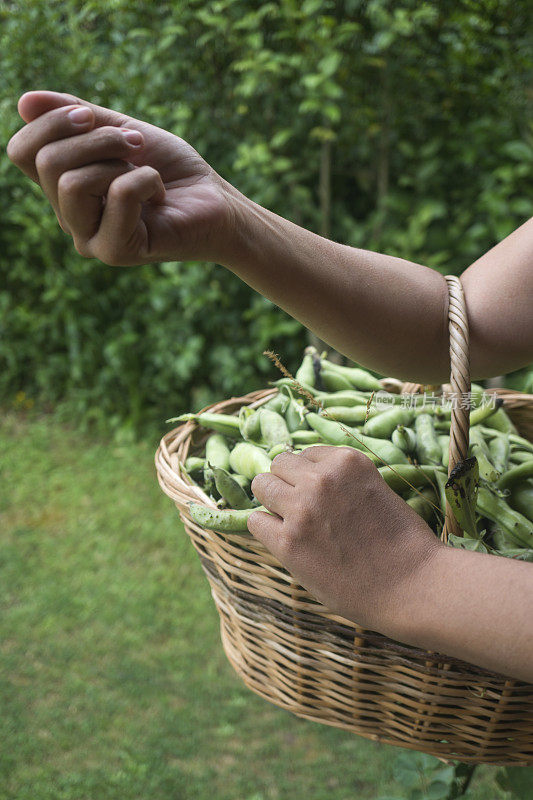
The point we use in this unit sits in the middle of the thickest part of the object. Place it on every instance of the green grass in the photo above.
(113, 682)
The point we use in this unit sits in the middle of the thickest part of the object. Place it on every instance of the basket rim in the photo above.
(179, 488)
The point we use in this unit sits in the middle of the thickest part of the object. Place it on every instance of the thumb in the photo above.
(32, 104)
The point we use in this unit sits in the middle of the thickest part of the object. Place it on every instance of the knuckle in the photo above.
(349, 457)
(13, 149)
(324, 481)
(278, 460)
(111, 256)
(82, 248)
(69, 183)
(121, 190)
(117, 260)
(261, 482)
(44, 159)
(110, 136)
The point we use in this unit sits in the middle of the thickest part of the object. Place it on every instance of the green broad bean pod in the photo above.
(441, 426)
(305, 437)
(305, 373)
(249, 460)
(518, 527)
(520, 457)
(278, 403)
(428, 448)
(499, 448)
(209, 480)
(382, 425)
(194, 464)
(483, 414)
(217, 451)
(399, 476)
(250, 424)
(441, 479)
(334, 381)
(516, 475)
(357, 377)
(278, 449)
(444, 442)
(289, 383)
(521, 499)
(517, 553)
(333, 433)
(295, 415)
(499, 421)
(242, 480)
(374, 459)
(222, 423)
(345, 399)
(519, 441)
(273, 428)
(422, 503)
(350, 415)
(226, 520)
(404, 438)
(230, 490)
(480, 450)
(477, 394)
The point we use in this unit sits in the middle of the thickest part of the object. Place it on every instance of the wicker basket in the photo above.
(291, 650)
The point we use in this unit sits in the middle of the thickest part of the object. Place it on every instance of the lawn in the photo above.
(113, 682)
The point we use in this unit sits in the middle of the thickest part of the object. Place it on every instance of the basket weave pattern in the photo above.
(291, 650)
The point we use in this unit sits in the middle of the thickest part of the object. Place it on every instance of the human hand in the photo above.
(343, 533)
(124, 202)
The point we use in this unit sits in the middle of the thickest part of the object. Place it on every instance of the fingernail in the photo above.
(80, 116)
(133, 138)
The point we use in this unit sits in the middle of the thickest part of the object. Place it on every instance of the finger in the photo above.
(80, 194)
(267, 528)
(160, 145)
(61, 123)
(101, 144)
(32, 105)
(122, 239)
(273, 493)
(289, 467)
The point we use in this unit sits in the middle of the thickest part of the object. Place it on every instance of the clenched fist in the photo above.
(126, 191)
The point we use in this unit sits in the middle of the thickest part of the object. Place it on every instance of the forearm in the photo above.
(473, 606)
(383, 312)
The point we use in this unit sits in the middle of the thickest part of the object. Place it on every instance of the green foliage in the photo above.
(518, 781)
(424, 777)
(420, 109)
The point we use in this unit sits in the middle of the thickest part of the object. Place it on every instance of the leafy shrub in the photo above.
(417, 110)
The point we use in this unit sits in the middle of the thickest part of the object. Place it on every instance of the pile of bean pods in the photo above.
(405, 436)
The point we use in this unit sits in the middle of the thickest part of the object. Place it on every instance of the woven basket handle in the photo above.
(460, 386)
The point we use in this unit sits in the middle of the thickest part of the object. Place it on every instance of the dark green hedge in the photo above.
(420, 110)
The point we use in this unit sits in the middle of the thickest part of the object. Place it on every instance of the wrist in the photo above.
(254, 238)
(411, 603)
(235, 235)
